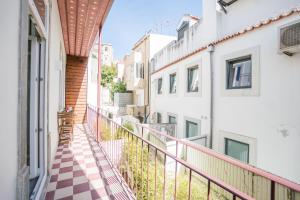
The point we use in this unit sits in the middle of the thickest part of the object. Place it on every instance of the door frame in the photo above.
(43, 32)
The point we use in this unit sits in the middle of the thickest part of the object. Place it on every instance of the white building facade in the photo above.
(226, 82)
(136, 70)
(107, 54)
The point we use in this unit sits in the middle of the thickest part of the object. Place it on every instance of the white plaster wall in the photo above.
(248, 12)
(182, 104)
(92, 85)
(175, 49)
(157, 42)
(56, 45)
(9, 54)
(107, 57)
(275, 108)
(261, 118)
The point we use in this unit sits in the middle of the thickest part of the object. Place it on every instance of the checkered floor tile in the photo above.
(81, 171)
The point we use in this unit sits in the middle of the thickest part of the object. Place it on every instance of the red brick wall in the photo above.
(76, 86)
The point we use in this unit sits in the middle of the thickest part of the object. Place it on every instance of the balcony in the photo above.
(190, 172)
(81, 170)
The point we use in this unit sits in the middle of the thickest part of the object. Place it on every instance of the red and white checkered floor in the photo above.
(81, 171)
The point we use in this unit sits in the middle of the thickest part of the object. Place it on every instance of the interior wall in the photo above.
(76, 86)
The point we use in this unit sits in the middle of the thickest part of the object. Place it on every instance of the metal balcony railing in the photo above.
(184, 170)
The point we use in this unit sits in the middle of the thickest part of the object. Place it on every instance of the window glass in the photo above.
(159, 86)
(193, 77)
(172, 120)
(237, 150)
(139, 70)
(173, 83)
(239, 73)
(191, 129)
(158, 118)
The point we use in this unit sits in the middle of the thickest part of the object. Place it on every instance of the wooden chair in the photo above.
(65, 122)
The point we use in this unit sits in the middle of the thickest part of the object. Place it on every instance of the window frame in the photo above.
(186, 128)
(172, 116)
(239, 142)
(158, 116)
(229, 67)
(254, 91)
(196, 67)
(159, 91)
(242, 137)
(139, 70)
(174, 83)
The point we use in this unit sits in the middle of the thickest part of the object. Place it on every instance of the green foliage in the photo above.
(139, 166)
(128, 125)
(107, 75)
(106, 132)
(119, 87)
(143, 169)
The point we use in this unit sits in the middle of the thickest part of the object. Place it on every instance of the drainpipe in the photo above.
(211, 50)
(98, 81)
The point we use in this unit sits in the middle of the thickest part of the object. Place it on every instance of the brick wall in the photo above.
(76, 86)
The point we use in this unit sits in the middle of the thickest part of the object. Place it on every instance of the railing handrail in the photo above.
(258, 171)
(214, 180)
(277, 179)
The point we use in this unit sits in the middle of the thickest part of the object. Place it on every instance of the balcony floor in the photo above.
(82, 171)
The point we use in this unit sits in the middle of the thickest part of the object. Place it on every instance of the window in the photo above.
(139, 70)
(173, 83)
(182, 29)
(191, 129)
(159, 86)
(237, 150)
(172, 120)
(193, 77)
(158, 118)
(239, 73)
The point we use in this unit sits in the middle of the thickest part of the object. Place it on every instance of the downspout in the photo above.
(98, 81)
(211, 50)
(148, 83)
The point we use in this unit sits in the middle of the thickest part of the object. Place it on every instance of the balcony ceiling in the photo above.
(80, 22)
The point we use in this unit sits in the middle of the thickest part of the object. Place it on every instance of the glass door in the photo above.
(36, 108)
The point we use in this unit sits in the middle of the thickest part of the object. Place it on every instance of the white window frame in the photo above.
(254, 52)
(42, 29)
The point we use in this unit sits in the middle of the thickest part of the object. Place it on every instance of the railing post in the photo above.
(164, 188)
(190, 184)
(272, 190)
(208, 189)
(175, 185)
(155, 184)
(148, 171)
(98, 81)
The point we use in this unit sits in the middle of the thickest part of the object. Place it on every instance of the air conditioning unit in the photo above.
(290, 38)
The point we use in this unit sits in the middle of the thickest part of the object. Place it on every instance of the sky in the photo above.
(129, 20)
